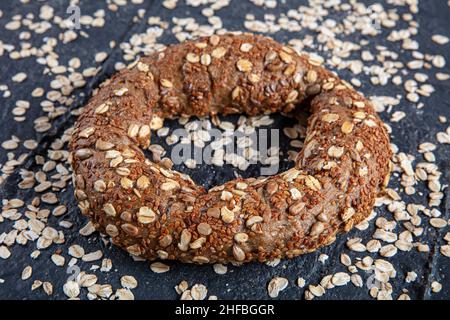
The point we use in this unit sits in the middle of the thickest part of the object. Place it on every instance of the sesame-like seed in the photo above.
(317, 228)
(109, 210)
(236, 93)
(292, 96)
(205, 59)
(246, 47)
(198, 243)
(359, 115)
(192, 58)
(286, 58)
(335, 152)
(133, 130)
(103, 145)
(112, 230)
(166, 83)
(146, 215)
(86, 133)
(130, 229)
(142, 182)
(218, 52)
(126, 183)
(347, 127)
(226, 195)
(213, 212)
(311, 76)
(185, 239)
(253, 220)
(238, 253)
(254, 78)
(83, 154)
(227, 215)
(169, 185)
(120, 92)
(241, 237)
(330, 117)
(348, 213)
(244, 65)
(312, 183)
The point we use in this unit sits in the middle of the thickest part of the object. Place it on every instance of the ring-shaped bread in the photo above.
(158, 213)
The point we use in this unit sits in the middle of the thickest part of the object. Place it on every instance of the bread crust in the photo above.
(158, 213)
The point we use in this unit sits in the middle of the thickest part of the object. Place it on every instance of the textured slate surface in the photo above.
(249, 281)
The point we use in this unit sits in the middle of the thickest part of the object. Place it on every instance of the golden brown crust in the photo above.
(155, 212)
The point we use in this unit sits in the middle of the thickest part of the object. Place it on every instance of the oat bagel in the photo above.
(157, 213)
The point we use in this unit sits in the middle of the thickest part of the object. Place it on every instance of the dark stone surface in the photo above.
(249, 281)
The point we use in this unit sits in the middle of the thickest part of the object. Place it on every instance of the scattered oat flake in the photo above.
(436, 287)
(445, 250)
(199, 292)
(124, 294)
(276, 285)
(71, 289)
(4, 252)
(93, 256)
(340, 279)
(26, 273)
(128, 282)
(440, 39)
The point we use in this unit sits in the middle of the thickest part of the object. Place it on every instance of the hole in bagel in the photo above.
(275, 138)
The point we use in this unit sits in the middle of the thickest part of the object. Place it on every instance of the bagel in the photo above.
(155, 212)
